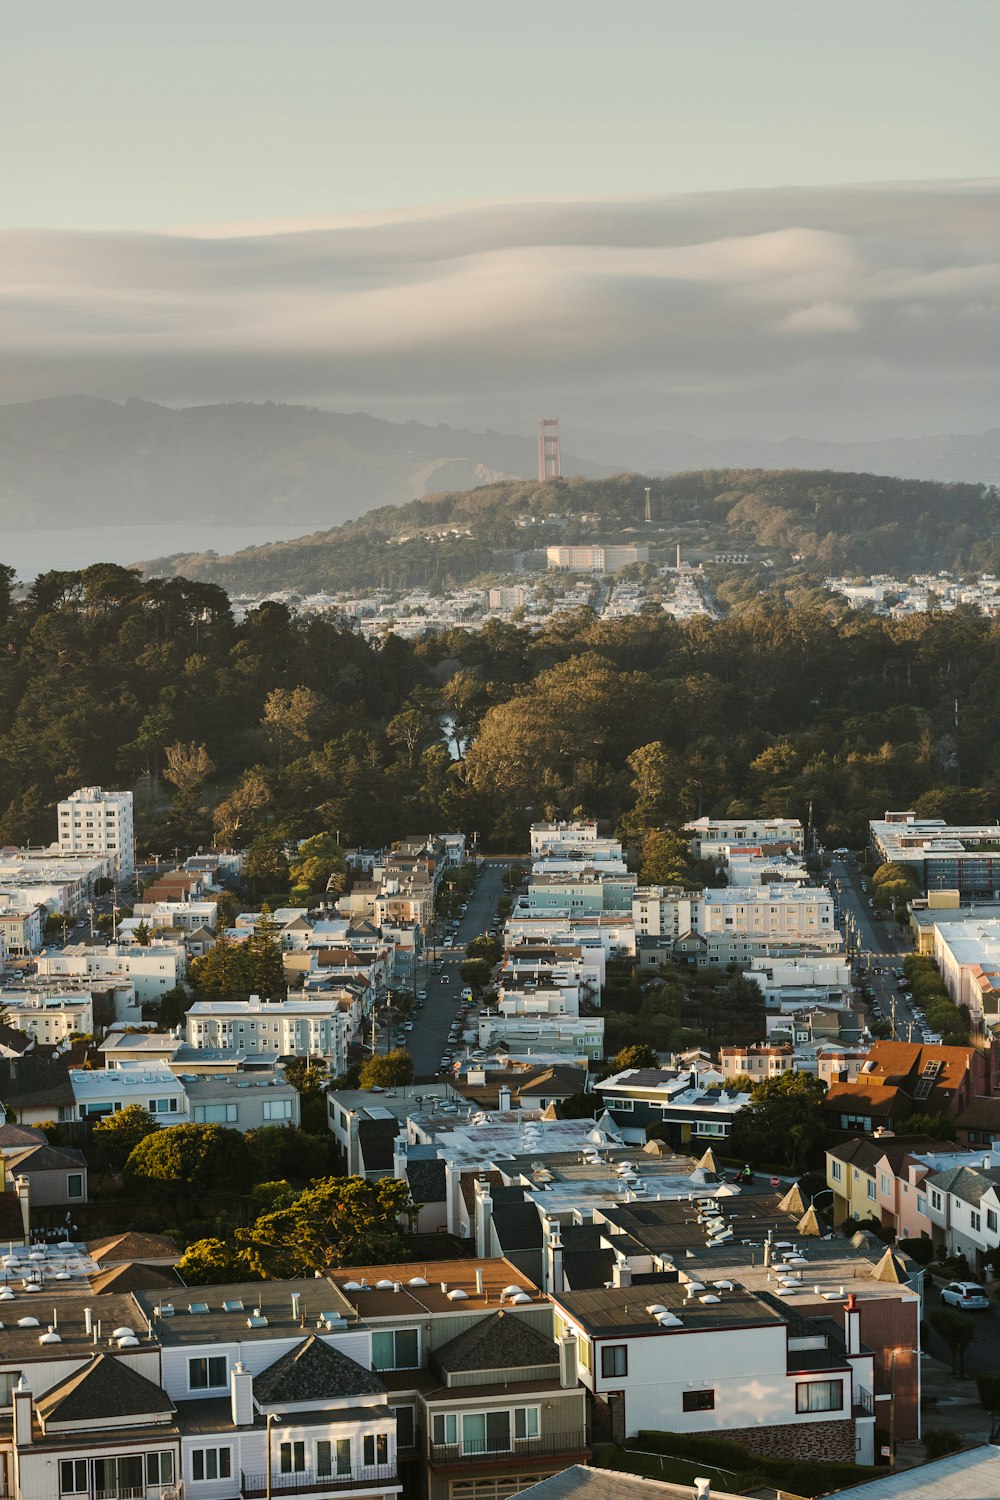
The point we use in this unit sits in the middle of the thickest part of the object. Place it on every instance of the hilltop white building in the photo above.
(93, 821)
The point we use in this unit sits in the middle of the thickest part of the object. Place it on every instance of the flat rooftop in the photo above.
(414, 1288)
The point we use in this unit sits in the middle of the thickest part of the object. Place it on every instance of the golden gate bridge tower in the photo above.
(549, 450)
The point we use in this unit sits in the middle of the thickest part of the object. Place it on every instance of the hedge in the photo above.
(785, 1473)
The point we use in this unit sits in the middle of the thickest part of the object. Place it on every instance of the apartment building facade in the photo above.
(95, 821)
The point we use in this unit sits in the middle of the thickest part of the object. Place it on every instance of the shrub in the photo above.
(941, 1440)
(922, 1251)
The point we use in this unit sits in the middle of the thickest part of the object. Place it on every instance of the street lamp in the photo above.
(272, 1417)
(892, 1401)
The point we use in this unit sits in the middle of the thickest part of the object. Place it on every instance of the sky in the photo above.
(723, 216)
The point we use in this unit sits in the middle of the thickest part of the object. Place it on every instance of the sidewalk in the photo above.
(957, 1409)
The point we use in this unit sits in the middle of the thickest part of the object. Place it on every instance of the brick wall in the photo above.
(831, 1441)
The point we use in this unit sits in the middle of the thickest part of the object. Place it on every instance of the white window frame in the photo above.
(208, 1459)
(208, 1360)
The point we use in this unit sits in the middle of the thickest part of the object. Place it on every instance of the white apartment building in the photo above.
(50, 1018)
(665, 911)
(968, 955)
(93, 821)
(507, 599)
(710, 836)
(794, 982)
(550, 1036)
(768, 911)
(599, 558)
(186, 915)
(152, 970)
(557, 999)
(315, 1027)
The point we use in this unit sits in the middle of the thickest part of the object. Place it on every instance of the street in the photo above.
(878, 947)
(428, 1040)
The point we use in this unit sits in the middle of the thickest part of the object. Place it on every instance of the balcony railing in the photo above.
(308, 1482)
(482, 1451)
(862, 1403)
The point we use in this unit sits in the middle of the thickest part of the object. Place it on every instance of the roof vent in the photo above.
(655, 1308)
(669, 1320)
(256, 1319)
(351, 1286)
(417, 1281)
(710, 1297)
(130, 1342)
(50, 1338)
(197, 1307)
(28, 1323)
(383, 1285)
(520, 1298)
(122, 1333)
(166, 1309)
(457, 1295)
(510, 1291)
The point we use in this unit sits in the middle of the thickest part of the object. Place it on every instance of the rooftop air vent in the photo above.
(197, 1307)
(50, 1338)
(457, 1295)
(520, 1298)
(383, 1285)
(417, 1281)
(256, 1319)
(351, 1286)
(28, 1323)
(122, 1333)
(131, 1342)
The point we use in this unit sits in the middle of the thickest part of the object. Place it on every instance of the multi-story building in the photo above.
(93, 821)
(711, 837)
(774, 912)
(899, 1079)
(242, 1101)
(152, 970)
(599, 558)
(758, 1061)
(21, 929)
(98, 1092)
(532, 1035)
(288, 1028)
(941, 856)
(660, 911)
(50, 1018)
(507, 599)
(721, 1360)
(693, 1114)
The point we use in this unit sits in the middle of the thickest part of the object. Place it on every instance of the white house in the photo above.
(315, 1027)
(101, 1092)
(50, 1018)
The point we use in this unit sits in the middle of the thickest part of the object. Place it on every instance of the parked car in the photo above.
(407, 1025)
(421, 994)
(967, 1294)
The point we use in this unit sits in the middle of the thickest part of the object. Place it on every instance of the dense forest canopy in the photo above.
(808, 520)
(284, 726)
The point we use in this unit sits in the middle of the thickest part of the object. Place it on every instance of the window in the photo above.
(836, 1171)
(398, 1350)
(974, 1218)
(74, 1185)
(212, 1463)
(922, 1203)
(376, 1448)
(935, 1199)
(583, 1350)
(698, 1401)
(486, 1432)
(883, 1183)
(444, 1428)
(405, 1428)
(622, 1104)
(159, 1468)
(8, 1380)
(277, 1109)
(871, 1189)
(216, 1114)
(73, 1476)
(526, 1422)
(991, 1219)
(614, 1360)
(819, 1395)
(293, 1458)
(163, 1106)
(206, 1374)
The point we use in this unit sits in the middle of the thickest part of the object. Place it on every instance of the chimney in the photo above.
(554, 1263)
(567, 1361)
(241, 1395)
(852, 1326)
(503, 1097)
(399, 1156)
(24, 1202)
(22, 1414)
(703, 1489)
(621, 1274)
(767, 1251)
(453, 1196)
(484, 1218)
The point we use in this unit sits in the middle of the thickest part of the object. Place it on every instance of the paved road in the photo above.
(983, 1353)
(882, 945)
(429, 1037)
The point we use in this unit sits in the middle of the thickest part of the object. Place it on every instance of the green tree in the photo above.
(958, 1331)
(220, 973)
(318, 858)
(120, 1133)
(190, 1157)
(264, 970)
(636, 1055)
(264, 865)
(311, 1076)
(784, 1118)
(475, 972)
(282, 1151)
(390, 1071)
(338, 1221)
(213, 1262)
(988, 1385)
(490, 949)
(141, 935)
(666, 859)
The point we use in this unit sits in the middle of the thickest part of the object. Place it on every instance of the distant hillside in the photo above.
(89, 462)
(802, 519)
